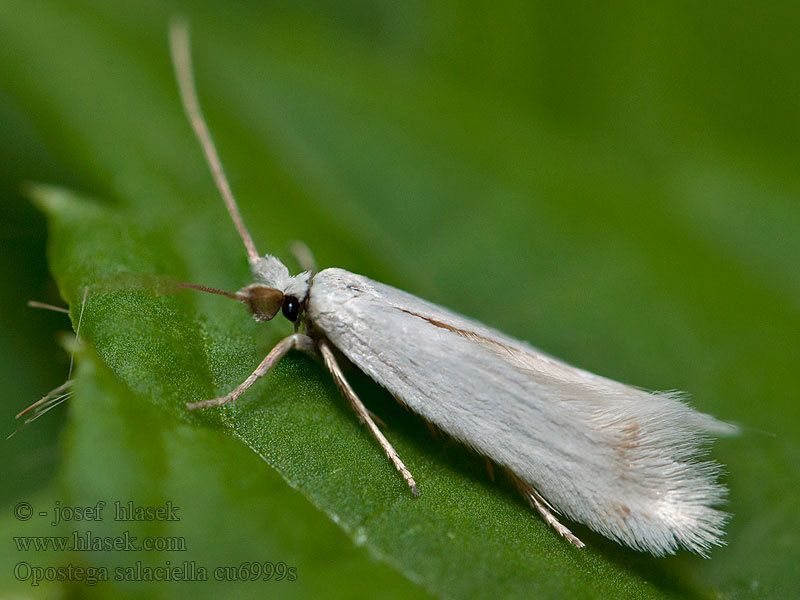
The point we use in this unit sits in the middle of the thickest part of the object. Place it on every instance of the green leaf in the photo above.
(496, 170)
(224, 514)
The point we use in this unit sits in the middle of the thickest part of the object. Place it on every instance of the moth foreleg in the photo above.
(304, 256)
(541, 505)
(364, 415)
(297, 341)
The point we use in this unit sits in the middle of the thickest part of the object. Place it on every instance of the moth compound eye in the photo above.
(291, 308)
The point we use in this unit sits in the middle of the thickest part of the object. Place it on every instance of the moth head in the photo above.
(265, 302)
(275, 290)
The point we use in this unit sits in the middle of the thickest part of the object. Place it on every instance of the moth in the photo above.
(625, 462)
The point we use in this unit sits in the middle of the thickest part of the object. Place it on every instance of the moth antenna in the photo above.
(211, 290)
(182, 63)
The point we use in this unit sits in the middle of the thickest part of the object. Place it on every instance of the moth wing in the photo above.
(623, 461)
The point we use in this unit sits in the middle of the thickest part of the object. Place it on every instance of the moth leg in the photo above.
(303, 255)
(296, 340)
(380, 422)
(489, 468)
(543, 507)
(432, 430)
(363, 414)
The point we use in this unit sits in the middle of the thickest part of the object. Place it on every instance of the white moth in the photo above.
(625, 462)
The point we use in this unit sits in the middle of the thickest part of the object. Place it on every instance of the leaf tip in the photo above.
(44, 196)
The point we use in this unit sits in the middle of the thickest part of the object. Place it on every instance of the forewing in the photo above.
(623, 461)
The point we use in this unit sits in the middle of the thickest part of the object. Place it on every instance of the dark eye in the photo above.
(291, 308)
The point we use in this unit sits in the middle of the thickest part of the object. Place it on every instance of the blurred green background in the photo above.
(617, 184)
